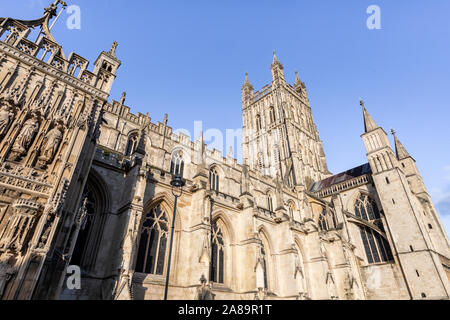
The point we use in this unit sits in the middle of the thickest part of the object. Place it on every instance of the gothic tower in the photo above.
(280, 138)
(419, 259)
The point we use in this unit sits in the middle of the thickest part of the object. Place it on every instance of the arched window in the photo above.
(376, 246)
(327, 220)
(217, 254)
(131, 145)
(177, 164)
(258, 122)
(214, 179)
(269, 202)
(291, 209)
(151, 255)
(367, 209)
(323, 222)
(272, 115)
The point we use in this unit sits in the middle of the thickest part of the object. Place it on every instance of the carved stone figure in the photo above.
(26, 136)
(204, 291)
(19, 225)
(6, 273)
(51, 144)
(5, 118)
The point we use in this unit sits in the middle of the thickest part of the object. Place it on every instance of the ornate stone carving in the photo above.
(25, 137)
(6, 115)
(50, 145)
(204, 292)
(7, 271)
(19, 225)
(113, 49)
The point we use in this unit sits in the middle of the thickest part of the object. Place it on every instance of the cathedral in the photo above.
(84, 182)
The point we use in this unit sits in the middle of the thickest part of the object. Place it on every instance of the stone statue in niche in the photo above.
(6, 115)
(50, 145)
(25, 137)
(7, 271)
(204, 292)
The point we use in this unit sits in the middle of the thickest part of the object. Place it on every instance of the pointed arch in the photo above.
(376, 246)
(221, 270)
(292, 210)
(152, 250)
(166, 200)
(266, 259)
(177, 162)
(216, 174)
(91, 231)
(219, 215)
(132, 143)
(301, 273)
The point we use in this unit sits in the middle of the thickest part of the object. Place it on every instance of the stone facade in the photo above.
(85, 182)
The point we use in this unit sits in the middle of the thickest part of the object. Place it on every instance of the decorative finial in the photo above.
(275, 59)
(393, 132)
(113, 48)
(297, 78)
(166, 117)
(361, 102)
(122, 99)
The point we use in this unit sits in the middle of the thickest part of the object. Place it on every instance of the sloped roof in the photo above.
(341, 177)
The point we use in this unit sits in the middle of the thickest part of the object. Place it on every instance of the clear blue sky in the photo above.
(188, 58)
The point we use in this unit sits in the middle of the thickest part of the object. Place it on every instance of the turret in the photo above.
(299, 86)
(247, 92)
(379, 151)
(416, 255)
(106, 67)
(277, 70)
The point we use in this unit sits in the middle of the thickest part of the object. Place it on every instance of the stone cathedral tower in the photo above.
(406, 205)
(280, 138)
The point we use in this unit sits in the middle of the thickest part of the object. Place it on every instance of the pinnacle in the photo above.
(400, 150)
(369, 123)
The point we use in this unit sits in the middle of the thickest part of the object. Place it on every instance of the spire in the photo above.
(277, 70)
(275, 59)
(275, 62)
(299, 85)
(401, 151)
(231, 153)
(246, 79)
(369, 123)
(247, 83)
